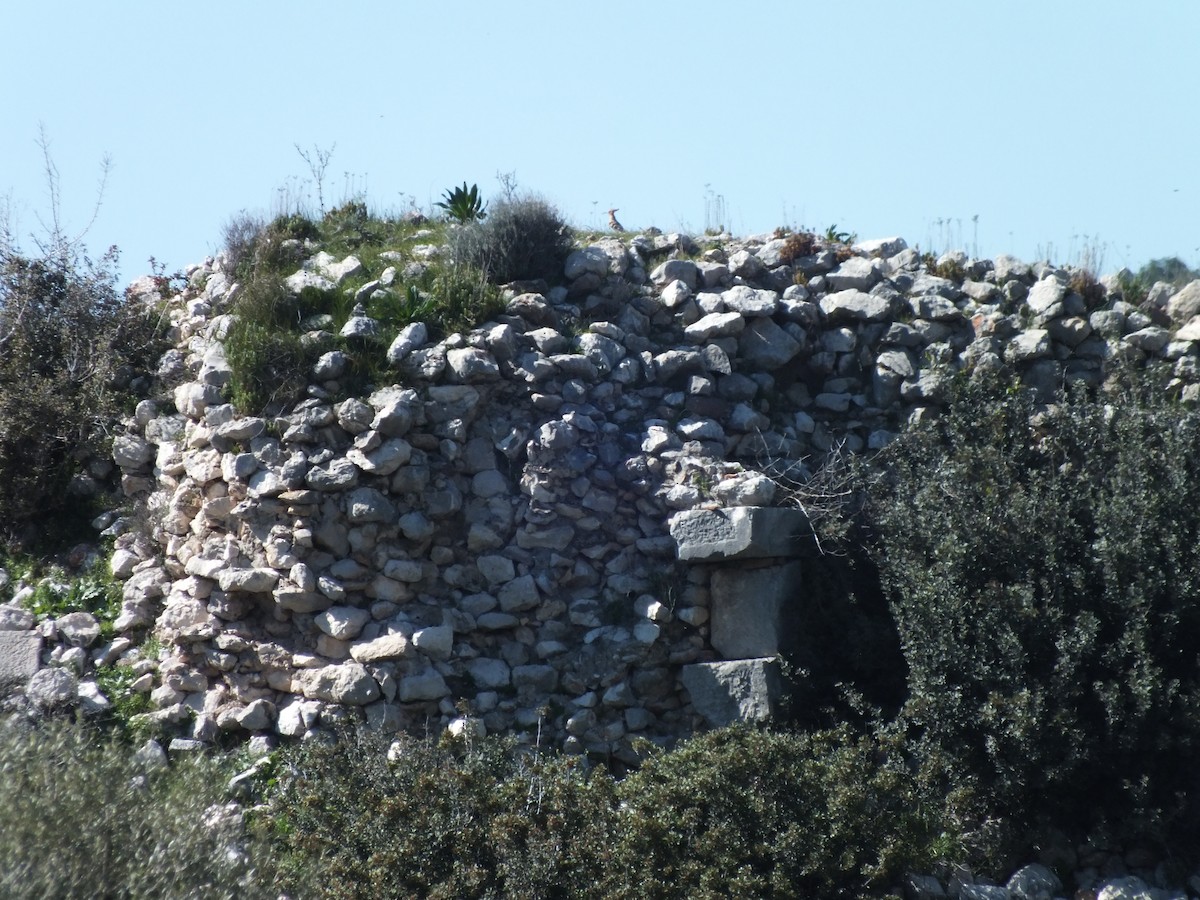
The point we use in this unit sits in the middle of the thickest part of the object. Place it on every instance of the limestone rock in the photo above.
(855, 273)
(20, 655)
(428, 685)
(15, 618)
(750, 609)
(741, 691)
(343, 622)
(51, 688)
(1185, 304)
(347, 683)
(382, 648)
(251, 581)
(80, 629)
(1034, 882)
(765, 345)
(676, 270)
(744, 532)
(855, 306)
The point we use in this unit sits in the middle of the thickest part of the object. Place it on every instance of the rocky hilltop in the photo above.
(578, 520)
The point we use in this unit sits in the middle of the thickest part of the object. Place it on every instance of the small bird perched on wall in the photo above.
(612, 221)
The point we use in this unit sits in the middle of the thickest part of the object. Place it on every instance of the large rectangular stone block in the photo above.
(750, 606)
(744, 690)
(740, 532)
(20, 653)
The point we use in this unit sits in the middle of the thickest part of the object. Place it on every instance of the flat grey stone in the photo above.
(20, 653)
(725, 693)
(742, 532)
(470, 365)
(676, 270)
(488, 673)
(80, 629)
(15, 618)
(748, 608)
(251, 581)
(384, 647)
(855, 306)
(855, 273)
(427, 685)
(1045, 294)
(766, 345)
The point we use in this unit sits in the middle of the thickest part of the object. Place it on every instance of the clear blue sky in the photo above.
(1060, 125)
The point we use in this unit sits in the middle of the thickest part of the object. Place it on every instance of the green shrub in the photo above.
(447, 820)
(736, 812)
(1043, 567)
(70, 348)
(522, 239)
(80, 817)
(744, 813)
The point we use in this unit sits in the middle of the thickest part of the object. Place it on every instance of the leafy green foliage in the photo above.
(1043, 567)
(82, 818)
(116, 683)
(743, 813)
(522, 239)
(1170, 269)
(53, 598)
(270, 363)
(463, 205)
(56, 592)
(736, 812)
(71, 349)
(835, 236)
(449, 820)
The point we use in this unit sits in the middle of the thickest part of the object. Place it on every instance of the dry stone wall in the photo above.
(559, 522)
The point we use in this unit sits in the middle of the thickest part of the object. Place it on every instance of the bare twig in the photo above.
(317, 162)
(57, 245)
(824, 495)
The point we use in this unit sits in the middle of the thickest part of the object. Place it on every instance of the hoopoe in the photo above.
(612, 221)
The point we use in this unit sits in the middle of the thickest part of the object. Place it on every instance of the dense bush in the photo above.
(744, 813)
(80, 816)
(1043, 566)
(71, 347)
(447, 820)
(521, 239)
(737, 812)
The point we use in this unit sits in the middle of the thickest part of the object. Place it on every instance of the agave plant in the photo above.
(463, 205)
